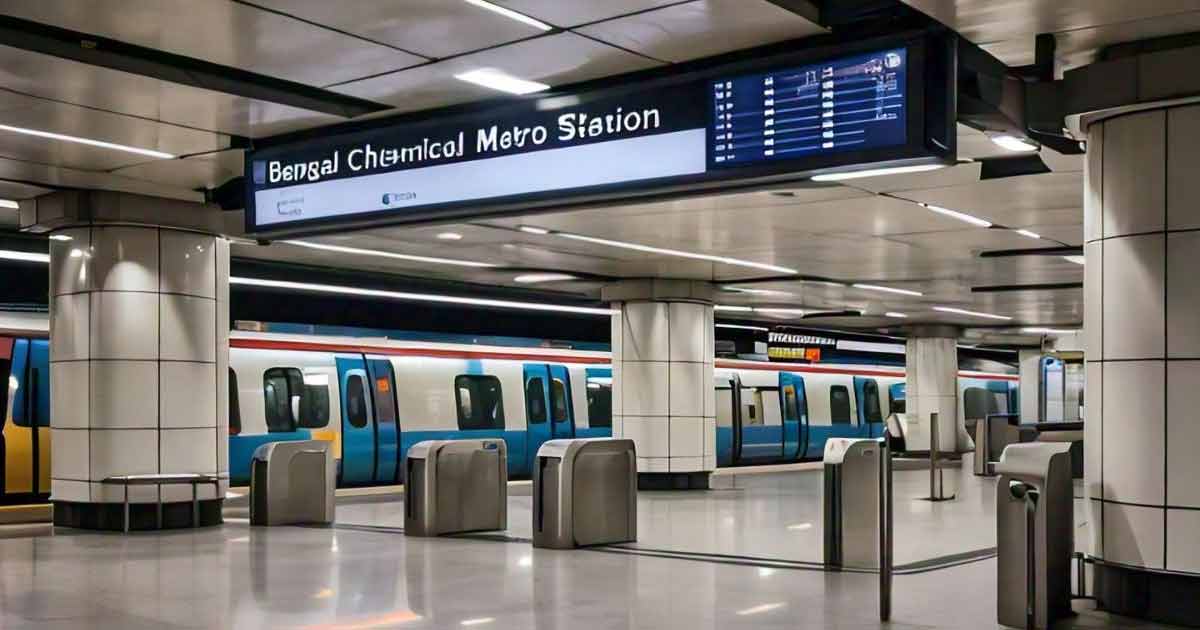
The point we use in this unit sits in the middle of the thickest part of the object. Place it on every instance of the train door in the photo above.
(794, 415)
(358, 421)
(562, 408)
(26, 433)
(870, 416)
(728, 397)
(538, 427)
(387, 422)
(760, 425)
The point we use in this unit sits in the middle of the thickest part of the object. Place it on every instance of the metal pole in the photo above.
(934, 447)
(1031, 559)
(885, 531)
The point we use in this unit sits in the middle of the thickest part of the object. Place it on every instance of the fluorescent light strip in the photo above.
(510, 14)
(875, 287)
(758, 291)
(381, 254)
(960, 311)
(1013, 143)
(675, 252)
(534, 278)
(779, 311)
(419, 297)
(1078, 260)
(502, 81)
(876, 172)
(961, 216)
(760, 609)
(1028, 233)
(9, 203)
(740, 327)
(895, 315)
(8, 254)
(733, 309)
(449, 236)
(87, 141)
(1049, 331)
(529, 229)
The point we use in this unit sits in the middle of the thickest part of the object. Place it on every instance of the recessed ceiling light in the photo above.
(534, 278)
(532, 229)
(477, 621)
(961, 311)
(875, 287)
(61, 237)
(675, 252)
(87, 141)
(1078, 260)
(498, 80)
(9, 203)
(1013, 143)
(381, 254)
(779, 311)
(1028, 233)
(876, 172)
(449, 236)
(735, 309)
(8, 254)
(896, 315)
(510, 14)
(826, 283)
(420, 297)
(961, 216)
(1049, 331)
(770, 292)
(741, 327)
(762, 608)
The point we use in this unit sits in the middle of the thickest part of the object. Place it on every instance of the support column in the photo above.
(931, 381)
(1029, 364)
(139, 320)
(1142, 296)
(663, 397)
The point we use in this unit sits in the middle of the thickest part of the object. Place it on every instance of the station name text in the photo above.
(570, 127)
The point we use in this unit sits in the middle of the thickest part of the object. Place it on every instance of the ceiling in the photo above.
(402, 57)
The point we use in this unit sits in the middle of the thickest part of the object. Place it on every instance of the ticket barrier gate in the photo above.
(992, 435)
(584, 493)
(857, 509)
(292, 483)
(455, 486)
(1035, 520)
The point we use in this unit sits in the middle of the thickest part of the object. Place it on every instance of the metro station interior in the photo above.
(672, 314)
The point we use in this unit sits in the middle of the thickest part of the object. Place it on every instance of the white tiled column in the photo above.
(663, 396)
(138, 364)
(931, 381)
(1142, 330)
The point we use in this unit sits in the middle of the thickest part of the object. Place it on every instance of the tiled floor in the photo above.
(353, 577)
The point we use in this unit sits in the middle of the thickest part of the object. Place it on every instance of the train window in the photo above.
(870, 402)
(599, 399)
(356, 401)
(480, 402)
(235, 410)
(558, 400)
(897, 406)
(281, 392)
(535, 400)
(978, 403)
(839, 405)
(314, 402)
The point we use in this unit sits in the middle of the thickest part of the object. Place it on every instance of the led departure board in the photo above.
(848, 104)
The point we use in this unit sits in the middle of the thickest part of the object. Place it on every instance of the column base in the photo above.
(1158, 596)
(142, 516)
(673, 481)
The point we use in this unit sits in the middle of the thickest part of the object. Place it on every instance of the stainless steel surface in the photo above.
(887, 532)
(454, 486)
(853, 503)
(293, 483)
(992, 435)
(162, 480)
(937, 469)
(584, 493)
(568, 13)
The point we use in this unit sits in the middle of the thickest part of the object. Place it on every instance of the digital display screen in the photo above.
(848, 104)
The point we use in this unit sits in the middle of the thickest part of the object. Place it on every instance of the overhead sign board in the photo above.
(774, 119)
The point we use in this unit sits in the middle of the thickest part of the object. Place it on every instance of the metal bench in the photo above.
(161, 480)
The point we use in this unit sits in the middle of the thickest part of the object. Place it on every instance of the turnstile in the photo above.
(455, 486)
(292, 483)
(992, 435)
(854, 501)
(584, 493)
(1035, 527)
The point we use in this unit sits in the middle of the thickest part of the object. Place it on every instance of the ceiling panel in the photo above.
(136, 95)
(555, 60)
(19, 190)
(227, 33)
(1008, 197)
(201, 171)
(568, 13)
(703, 28)
(72, 178)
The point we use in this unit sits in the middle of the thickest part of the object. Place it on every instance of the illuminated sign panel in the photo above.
(670, 135)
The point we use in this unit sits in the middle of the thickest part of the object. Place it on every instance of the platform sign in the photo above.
(774, 119)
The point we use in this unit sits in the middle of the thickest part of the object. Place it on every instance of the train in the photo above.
(373, 398)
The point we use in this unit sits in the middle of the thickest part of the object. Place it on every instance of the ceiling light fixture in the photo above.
(954, 214)
(1028, 233)
(9, 203)
(732, 309)
(770, 292)
(510, 14)
(341, 249)
(875, 287)
(61, 237)
(534, 278)
(1078, 260)
(779, 311)
(87, 141)
(1013, 143)
(675, 252)
(961, 311)
(741, 327)
(895, 315)
(477, 621)
(760, 609)
(449, 236)
(419, 297)
(529, 229)
(1049, 331)
(876, 172)
(502, 81)
(8, 254)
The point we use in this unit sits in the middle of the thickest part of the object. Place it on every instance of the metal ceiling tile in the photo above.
(433, 28)
(555, 60)
(703, 28)
(568, 13)
(17, 191)
(996, 197)
(60, 177)
(196, 172)
(228, 33)
(135, 95)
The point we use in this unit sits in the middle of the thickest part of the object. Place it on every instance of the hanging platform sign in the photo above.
(782, 118)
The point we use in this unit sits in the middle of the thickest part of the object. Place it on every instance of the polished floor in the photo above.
(363, 574)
